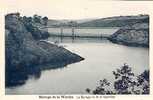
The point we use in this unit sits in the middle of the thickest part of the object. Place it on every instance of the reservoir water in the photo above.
(101, 58)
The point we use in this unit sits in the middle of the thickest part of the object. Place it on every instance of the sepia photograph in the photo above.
(70, 47)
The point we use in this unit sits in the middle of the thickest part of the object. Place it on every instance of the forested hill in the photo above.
(25, 52)
(117, 21)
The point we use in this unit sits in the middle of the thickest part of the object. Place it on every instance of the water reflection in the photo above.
(19, 77)
(61, 39)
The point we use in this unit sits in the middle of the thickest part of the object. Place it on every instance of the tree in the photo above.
(124, 80)
(37, 18)
(143, 81)
(45, 20)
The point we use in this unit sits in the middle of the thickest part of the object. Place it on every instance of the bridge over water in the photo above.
(81, 32)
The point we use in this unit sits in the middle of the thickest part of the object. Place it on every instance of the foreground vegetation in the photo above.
(125, 83)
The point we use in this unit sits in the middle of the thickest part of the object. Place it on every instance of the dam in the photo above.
(81, 32)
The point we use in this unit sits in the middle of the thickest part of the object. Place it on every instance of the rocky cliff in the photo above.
(24, 52)
(135, 35)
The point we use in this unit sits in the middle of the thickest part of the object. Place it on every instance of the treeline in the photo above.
(36, 19)
(32, 24)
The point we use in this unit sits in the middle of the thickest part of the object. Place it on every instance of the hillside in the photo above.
(118, 21)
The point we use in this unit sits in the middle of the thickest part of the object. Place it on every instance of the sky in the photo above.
(77, 9)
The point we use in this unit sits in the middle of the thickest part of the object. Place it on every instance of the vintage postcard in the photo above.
(76, 49)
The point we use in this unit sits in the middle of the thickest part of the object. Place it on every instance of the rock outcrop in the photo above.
(134, 35)
(24, 52)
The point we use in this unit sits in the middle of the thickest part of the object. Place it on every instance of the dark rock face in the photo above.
(134, 35)
(24, 52)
